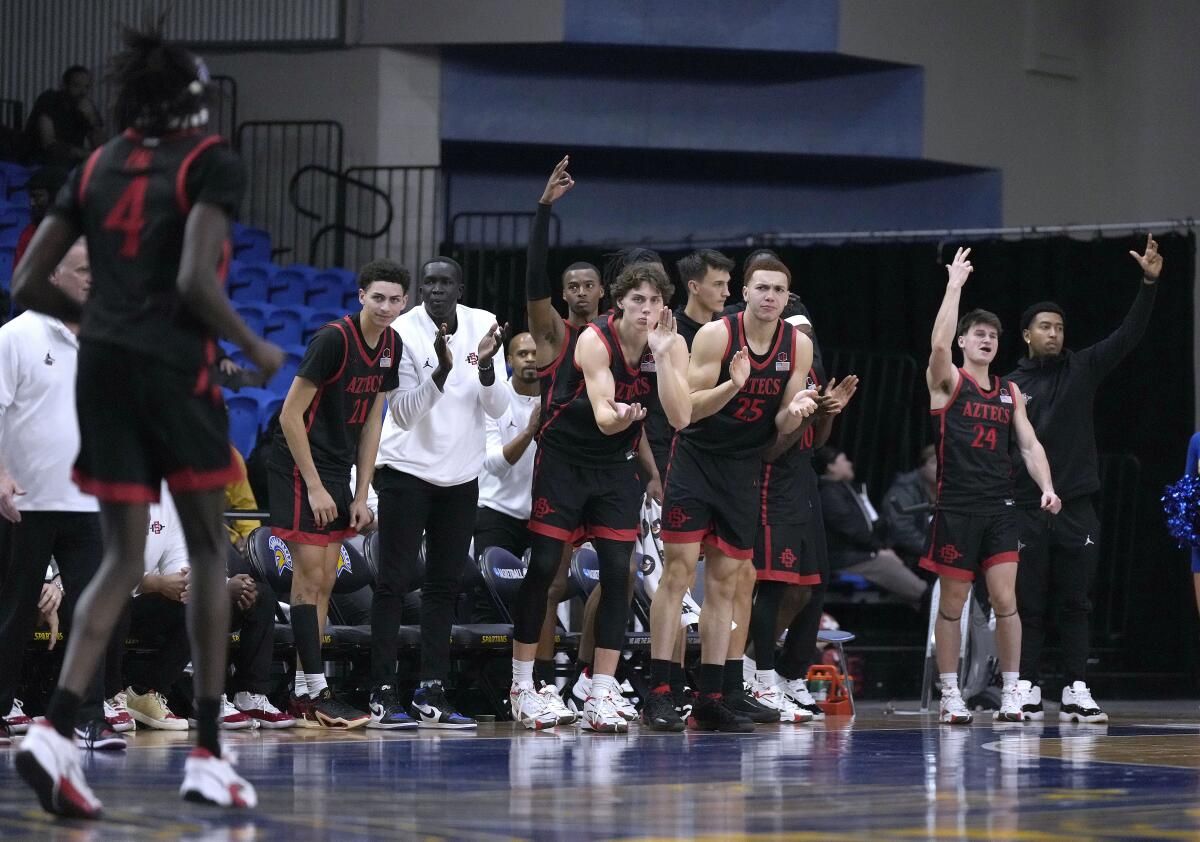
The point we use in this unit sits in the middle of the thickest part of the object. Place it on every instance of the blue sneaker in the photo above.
(386, 711)
(431, 710)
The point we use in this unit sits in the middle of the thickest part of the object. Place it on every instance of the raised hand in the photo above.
(663, 334)
(739, 367)
(559, 183)
(491, 342)
(1151, 262)
(803, 404)
(836, 395)
(445, 360)
(960, 269)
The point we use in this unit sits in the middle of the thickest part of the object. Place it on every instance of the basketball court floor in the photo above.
(882, 775)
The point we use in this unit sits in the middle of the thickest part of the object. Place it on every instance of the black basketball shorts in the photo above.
(291, 515)
(576, 502)
(711, 499)
(962, 545)
(789, 553)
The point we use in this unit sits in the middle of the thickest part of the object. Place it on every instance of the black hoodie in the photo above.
(1060, 392)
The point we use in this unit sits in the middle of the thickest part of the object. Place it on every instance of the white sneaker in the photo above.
(600, 714)
(554, 702)
(1079, 706)
(795, 690)
(529, 708)
(151, 709)
(49, 762)
(18, 722)
(229, 718)
(212, 780)
(769, 695)
(117, 714)
(260, 708)
(625, 708)
(1011, 702)
(580, 690)
(952, 710)
(1031, 705)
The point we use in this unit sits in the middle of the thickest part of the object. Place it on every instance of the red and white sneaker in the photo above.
(117, 715)
(49, 763)
(300, 708)
(600, 713)
(212, 780)
(230, 718)
(18, 722)
(259, 707)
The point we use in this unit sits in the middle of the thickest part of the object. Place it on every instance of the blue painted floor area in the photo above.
(880, 776)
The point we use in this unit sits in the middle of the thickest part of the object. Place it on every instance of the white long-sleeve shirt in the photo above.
(39, 430)
(437, 434)
(504, 487)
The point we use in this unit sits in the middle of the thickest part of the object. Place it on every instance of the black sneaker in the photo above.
(387, 712)
(432, 710)
(331, 712)
(684, 700)
(659, 714)
(98, 735)
(745, 704)
(711, 714)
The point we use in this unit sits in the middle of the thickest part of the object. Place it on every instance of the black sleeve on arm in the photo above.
(1104, 356)
(324, 356)
(218, 178)
(537, 284)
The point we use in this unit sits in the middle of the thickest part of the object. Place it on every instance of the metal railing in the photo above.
(274, 152)
(397, 212)
(223, 119)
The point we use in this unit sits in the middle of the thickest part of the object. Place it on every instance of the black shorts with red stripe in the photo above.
(961, 544)
(291, 515)
(142, 421)
(576, 502)
(712, 499)
(789, 553)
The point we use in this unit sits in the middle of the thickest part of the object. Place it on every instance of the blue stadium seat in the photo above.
(13, 178)
(330, 288)
(287, 372)
(317, 319)
(285, 326)
(249, 281)
(254, 314)
(13, 220)
(7, 253)
(243, 421)
(251, 243)
(289, 285)
(228, 348)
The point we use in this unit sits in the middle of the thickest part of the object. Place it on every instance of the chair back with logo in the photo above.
(271, 560)
(585, 570)
(503, 573)
(371, 552)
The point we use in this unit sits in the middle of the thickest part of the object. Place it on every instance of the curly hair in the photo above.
(634, 276)
(384, 270)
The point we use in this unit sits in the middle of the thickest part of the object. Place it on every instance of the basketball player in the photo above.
(747, 376)
(331, 421)
(974, 526)
(155, 204)
(586, 481)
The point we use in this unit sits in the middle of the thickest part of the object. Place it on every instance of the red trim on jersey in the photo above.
(946, 570)
(728, 337)
(114, 492)
(770, 556)
(953, 395)
(296, 499)
(632, 372)
(345, 354)
(223, 264)
(362, 349)
(555, 532)
(788, 578)
(736, 553)
(670, 458)
(1008, 557)
(612, 534)
(696, 536)
(181, 197)
(770, 356)
(87, 173)
(762, 506)
(552, 366)
(190, 479)
(314, 539)
(983, 394)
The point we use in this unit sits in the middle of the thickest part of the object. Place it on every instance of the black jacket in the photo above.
(1060, 393)
(907, 531)
(848, 532)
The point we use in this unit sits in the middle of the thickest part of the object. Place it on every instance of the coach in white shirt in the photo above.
(44, 514)
(430, 457)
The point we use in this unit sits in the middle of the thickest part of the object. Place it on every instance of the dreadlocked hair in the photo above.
(157, 81)
(617, 262)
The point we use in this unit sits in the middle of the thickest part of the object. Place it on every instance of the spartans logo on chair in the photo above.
(283, 557)
(343, 564)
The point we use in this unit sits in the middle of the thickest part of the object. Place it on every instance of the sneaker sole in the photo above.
(955, 720)
(195, 796)
(447, 726)
(392, 726)
(160, 724)
(273, 724)
(339, 724)
(124, 728)
(102, 745)
(1084, 718)
(1008, 717)
(43, 784)
(1034, 715)
(621, 727)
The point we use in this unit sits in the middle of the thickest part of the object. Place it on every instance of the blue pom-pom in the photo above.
(1181, 505)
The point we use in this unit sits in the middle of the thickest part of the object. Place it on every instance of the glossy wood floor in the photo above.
(883, 775)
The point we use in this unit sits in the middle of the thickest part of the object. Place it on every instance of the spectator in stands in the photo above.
(159, 613)
(42, 187)
(430, 457)
(65, 125)
(908, 506)
(44, 514)
(856, 533)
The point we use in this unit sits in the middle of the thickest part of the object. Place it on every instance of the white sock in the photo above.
(316, 683)
(301, 684)
(949, 681)
(602, 684)
(767, 677)
(1010, 679)
(522, 673)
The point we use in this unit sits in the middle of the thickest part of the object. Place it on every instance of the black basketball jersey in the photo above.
(746, 425)
(569, 428)
(131, 199)
(348, 375)
(973, 433)
(789, 484)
